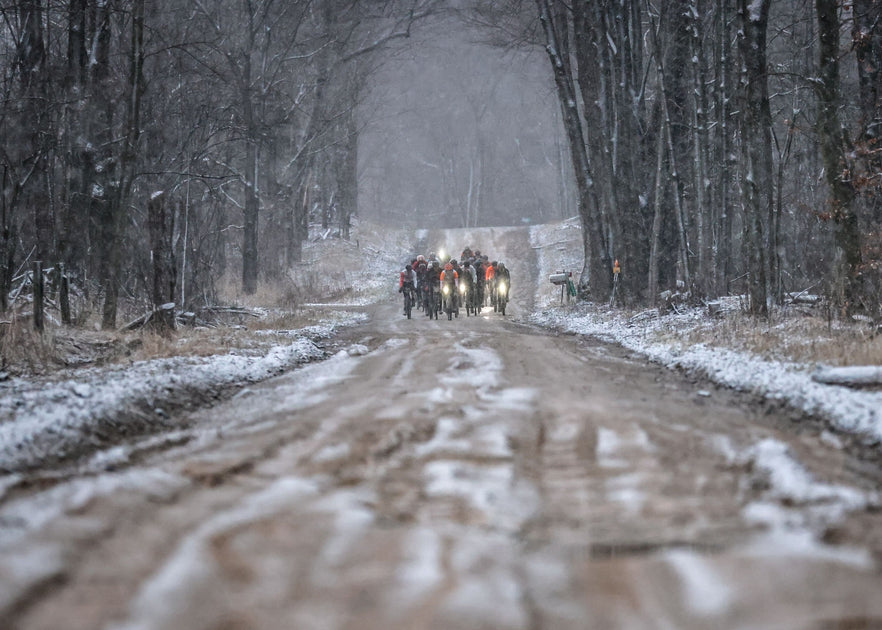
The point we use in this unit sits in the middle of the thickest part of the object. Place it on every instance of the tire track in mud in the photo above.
(565, 480)
(473, 474)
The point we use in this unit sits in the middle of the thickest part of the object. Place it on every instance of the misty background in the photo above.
(459, 133)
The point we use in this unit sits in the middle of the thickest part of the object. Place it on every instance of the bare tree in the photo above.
(756, 143)
(833, 150)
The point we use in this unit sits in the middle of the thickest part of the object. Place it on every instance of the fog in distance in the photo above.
(457, 133)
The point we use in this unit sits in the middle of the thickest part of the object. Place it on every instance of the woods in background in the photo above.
(241, 112)
(717, 146)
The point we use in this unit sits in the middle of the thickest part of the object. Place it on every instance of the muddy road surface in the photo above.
(469, 474)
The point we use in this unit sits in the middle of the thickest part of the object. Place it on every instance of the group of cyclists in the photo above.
(436, 284)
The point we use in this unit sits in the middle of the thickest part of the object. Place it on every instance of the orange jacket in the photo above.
(455, 275)
(491, 272)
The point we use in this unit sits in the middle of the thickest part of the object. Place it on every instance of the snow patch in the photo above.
(165, 598)
(501, 500)
(704, 591)
(850, 411)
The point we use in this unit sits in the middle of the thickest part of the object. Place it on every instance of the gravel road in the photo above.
(470, 474)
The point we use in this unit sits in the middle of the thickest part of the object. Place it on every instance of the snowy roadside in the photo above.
(851, 411)
(660, 339)
(44, 423)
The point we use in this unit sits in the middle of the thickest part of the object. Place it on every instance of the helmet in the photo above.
(493, 264)
(466, 264)
(453, 262)
(421, 258)
(408, 268)
(448, 267)
(435, 263)
(500, 265)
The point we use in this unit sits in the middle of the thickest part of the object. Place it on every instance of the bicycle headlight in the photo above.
(462, 288)
(502, 287)
(445, 289)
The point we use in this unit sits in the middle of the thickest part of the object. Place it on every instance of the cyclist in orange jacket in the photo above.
(490, 282)
(450, 277)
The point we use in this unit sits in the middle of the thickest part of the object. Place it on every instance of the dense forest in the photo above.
(190, 135)
(719, 146)
(148, 149)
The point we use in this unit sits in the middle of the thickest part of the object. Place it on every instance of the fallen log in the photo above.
(231, 310)
(146, 318)
(851, 376)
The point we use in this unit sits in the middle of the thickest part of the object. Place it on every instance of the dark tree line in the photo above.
(241, 113)
(718, 145)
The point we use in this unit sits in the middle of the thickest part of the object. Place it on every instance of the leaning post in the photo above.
(38, 295)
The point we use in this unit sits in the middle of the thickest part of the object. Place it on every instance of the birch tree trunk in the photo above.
(722, 235)
(703, 202)
(252, 199)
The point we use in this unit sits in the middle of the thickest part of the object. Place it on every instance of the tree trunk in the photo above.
(655, 236)
(348, 182)
(723, 222)
(252, 199)
(118, 201)
(703, 272)
(161, 228)
(756, 149)
(594, 277)
(867, 38)
(833, 151)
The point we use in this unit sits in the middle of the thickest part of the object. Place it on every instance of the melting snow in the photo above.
(49, 422)
(703, 589)
(848, 410)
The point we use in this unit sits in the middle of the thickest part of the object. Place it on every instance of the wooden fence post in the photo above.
(63, 294)
(38, 295)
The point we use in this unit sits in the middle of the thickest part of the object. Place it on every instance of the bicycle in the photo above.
(408, 300)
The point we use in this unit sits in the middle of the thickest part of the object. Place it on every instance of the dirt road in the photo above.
(468, 474)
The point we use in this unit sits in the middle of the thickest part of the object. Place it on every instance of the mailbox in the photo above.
(559, 278)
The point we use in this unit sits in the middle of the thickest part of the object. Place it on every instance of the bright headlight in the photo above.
(462, 288)
(445, 289)
(502, 287)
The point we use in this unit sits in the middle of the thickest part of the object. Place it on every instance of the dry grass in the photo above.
(23, 349)
(198, 342)
(797, 338)
(302, 285)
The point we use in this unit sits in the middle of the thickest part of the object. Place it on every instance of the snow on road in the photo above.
(465, 474)
(857, 412)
